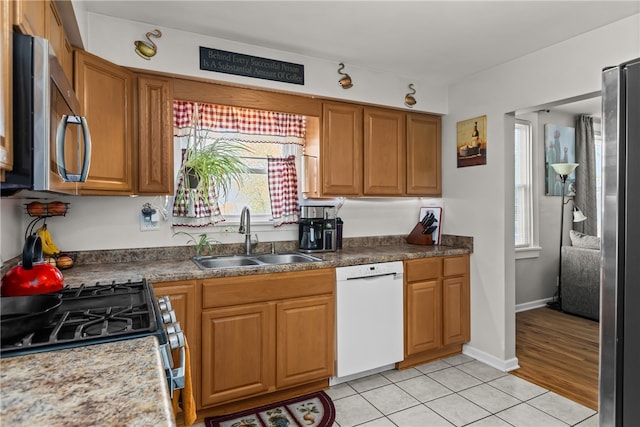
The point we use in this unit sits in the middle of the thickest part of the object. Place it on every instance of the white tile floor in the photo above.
(457, 391)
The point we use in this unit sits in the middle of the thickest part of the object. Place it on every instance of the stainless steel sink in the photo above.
(207, 263)
(238, 261)
(286, 258)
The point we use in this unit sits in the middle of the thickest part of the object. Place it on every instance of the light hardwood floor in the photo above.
(559, 352)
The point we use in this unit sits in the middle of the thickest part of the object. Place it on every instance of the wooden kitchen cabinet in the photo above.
(384, 152)
(67, 59)
(423, 307)
(43, 19)
(105, 92)
(6, 89)
(184, 297)
(304, 340)
(366, 151)
(185, 300)
(424, 157)
(238, 352)
(437, 313)
(29, 16)
(266, 337)
(155, 135)
(54, 30)
(341, 149)
(455, 300)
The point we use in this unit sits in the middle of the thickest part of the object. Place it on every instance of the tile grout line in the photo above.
(452, 392)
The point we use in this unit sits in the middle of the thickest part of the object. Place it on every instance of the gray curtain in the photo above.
(585, 198)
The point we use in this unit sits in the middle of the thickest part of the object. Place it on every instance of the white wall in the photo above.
(480, 199)
(178, 52)
(94, 223)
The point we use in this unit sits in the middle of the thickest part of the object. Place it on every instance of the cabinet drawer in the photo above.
(456, 266)
(421, 269)
(226, 291)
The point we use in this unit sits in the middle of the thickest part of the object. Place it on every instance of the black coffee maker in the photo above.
(317, 229)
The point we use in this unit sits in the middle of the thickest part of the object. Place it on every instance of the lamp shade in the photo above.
(564, 168)
(578, 216)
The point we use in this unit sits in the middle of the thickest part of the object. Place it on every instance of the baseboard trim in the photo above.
(532, 304)
(501, 364)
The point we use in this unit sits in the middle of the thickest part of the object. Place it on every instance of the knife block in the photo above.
(417, 238)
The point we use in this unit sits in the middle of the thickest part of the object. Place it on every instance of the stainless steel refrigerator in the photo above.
(620, 272)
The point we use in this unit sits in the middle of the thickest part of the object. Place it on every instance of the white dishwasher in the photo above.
(370, 317)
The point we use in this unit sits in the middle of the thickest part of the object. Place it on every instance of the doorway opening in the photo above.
(556, 350)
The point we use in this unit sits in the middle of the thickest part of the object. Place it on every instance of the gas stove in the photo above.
(103, 313)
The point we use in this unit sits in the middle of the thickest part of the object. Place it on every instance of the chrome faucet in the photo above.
(245, 228)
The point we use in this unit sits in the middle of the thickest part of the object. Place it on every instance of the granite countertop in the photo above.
(92, 385)
(181, 267)
(118, 383)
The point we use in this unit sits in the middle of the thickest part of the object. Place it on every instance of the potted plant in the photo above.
(202, 243)
(211, 162)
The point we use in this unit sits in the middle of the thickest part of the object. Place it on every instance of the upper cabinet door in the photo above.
(6, 90)
(29, 16)
(155, 136)
(341, 150)
(54, 30)
(424, 155)
(105, 92)
(384, 152)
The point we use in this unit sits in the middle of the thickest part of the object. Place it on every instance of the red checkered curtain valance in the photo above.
(283, 190)
(252, 125)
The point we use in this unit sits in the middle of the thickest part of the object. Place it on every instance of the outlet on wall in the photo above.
(149, 222)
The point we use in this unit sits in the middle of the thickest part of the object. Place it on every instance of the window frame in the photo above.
(531, 249)
(264, 219)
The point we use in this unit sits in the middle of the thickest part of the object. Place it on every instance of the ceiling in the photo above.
(442, 41)
(591, 107)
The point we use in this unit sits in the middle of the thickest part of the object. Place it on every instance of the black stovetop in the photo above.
(94, 314)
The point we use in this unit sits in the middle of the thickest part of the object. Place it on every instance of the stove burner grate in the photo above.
(93, 314)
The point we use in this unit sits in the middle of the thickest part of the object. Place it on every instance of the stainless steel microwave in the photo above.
(51, 141)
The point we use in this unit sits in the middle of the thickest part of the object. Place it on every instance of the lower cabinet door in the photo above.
(305, 340)
(455, 310)
(423, 316)
(237, 352)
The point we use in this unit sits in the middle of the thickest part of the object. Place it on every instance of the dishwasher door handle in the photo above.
(396, 276)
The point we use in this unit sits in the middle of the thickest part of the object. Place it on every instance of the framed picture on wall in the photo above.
(433, 217)
(559, 147)
(471, 146)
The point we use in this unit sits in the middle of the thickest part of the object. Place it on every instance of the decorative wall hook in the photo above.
(147, 49)
(409, 100)
(345, 81)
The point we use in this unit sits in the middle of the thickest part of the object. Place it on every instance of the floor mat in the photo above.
(313, 410)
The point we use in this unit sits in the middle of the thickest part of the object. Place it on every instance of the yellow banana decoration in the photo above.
(50, 242)
(48, 247)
